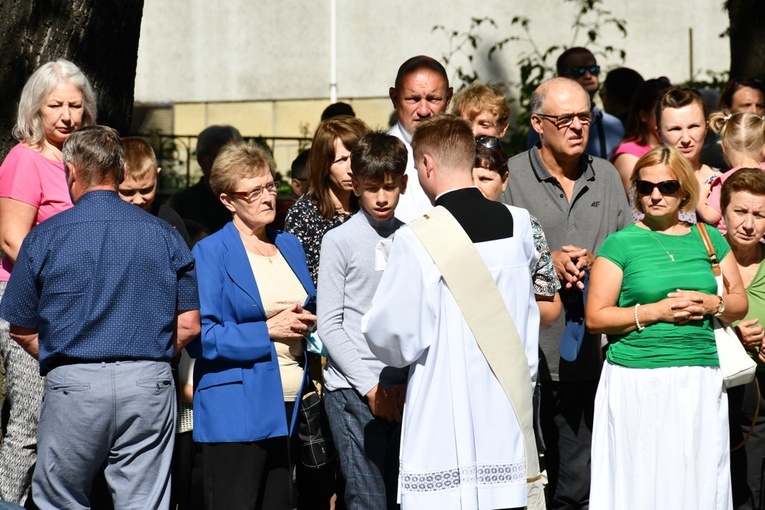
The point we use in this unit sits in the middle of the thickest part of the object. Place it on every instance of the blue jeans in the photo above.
(119, 413)
(368, 448)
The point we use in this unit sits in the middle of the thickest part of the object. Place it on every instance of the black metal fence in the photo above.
(176, 155)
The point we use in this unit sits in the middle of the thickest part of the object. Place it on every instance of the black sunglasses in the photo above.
(578, 71)
(665, 187)
(490, 142)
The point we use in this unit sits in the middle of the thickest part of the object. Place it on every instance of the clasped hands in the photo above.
(292, 323)
(570, 263)
(683, 306)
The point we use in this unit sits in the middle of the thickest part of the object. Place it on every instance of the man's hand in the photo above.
(570, 263)
(383, 403)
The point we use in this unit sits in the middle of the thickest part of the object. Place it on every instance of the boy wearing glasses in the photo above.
(363, 397)
(606, 131)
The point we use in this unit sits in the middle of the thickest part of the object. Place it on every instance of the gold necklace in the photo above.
(671, 255)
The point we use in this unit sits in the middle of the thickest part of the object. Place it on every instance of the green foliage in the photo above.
(463, 44)
(535, 64)
(713, 80)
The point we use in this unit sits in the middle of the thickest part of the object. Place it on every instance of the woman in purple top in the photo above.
(55, 102)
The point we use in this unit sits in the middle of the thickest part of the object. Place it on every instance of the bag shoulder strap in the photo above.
(702, 228)
(484, 310)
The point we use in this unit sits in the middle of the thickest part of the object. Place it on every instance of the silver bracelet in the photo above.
(637, 322)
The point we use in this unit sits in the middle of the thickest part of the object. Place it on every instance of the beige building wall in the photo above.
(286, 118)
(264, 66)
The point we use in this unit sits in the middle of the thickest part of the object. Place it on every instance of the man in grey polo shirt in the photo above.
(579, 200)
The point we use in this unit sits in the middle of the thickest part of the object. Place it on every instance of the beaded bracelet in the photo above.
(637, 322)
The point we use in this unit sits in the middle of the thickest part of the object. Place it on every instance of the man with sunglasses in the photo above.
(579, 200)
(606, 131)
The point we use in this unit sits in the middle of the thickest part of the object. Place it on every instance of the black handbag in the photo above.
(317, 449)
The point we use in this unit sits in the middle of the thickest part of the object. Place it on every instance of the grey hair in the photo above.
(98, 155)
(29, 128)
(537, 101)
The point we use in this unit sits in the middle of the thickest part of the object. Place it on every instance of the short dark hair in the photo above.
(378, 155)
(750, 180)
(733, 86)
(419, 62)
(337, 109)
(493, 159)
(644, 99)
(621, 83)
(561, 65)
(97, 153)
(299, 168)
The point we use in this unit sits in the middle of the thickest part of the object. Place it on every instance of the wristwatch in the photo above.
(720, 307)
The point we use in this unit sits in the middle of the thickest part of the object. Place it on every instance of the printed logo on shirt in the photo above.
(595, 204)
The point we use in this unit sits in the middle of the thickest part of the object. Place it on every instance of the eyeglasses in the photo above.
(567, 119)
(254, 194)
(490, 142)
(665, 187)
(578, 71)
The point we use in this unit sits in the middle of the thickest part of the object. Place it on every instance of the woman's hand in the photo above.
(691, 305)
(751, 333)
(292, 323)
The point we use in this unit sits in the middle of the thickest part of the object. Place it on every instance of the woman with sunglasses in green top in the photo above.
(660, 432)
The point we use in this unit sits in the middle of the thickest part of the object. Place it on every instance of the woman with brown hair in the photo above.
(681, 123)
(329, 200)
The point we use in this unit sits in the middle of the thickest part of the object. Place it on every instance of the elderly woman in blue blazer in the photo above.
(254, 286)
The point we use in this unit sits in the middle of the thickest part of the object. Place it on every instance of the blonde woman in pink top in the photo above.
(55, 102)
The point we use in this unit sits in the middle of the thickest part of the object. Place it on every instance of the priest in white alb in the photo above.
(466, 436)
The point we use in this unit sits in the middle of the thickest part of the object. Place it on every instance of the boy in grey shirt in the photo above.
(364, 398)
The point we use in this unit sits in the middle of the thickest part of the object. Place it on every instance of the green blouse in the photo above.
(649, 274)
(755, 291)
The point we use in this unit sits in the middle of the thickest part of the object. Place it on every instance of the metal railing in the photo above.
(176, 154)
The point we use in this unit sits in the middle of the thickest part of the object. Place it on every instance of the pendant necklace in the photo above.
(670, 255)
(269, 259)
(254, 237)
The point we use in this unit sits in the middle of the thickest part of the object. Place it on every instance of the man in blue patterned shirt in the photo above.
(103, 295)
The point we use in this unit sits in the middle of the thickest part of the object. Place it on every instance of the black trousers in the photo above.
(247, 476)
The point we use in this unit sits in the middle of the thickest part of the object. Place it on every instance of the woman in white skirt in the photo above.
(660, 437)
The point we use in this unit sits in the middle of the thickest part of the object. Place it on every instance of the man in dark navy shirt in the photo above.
(104, 296)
